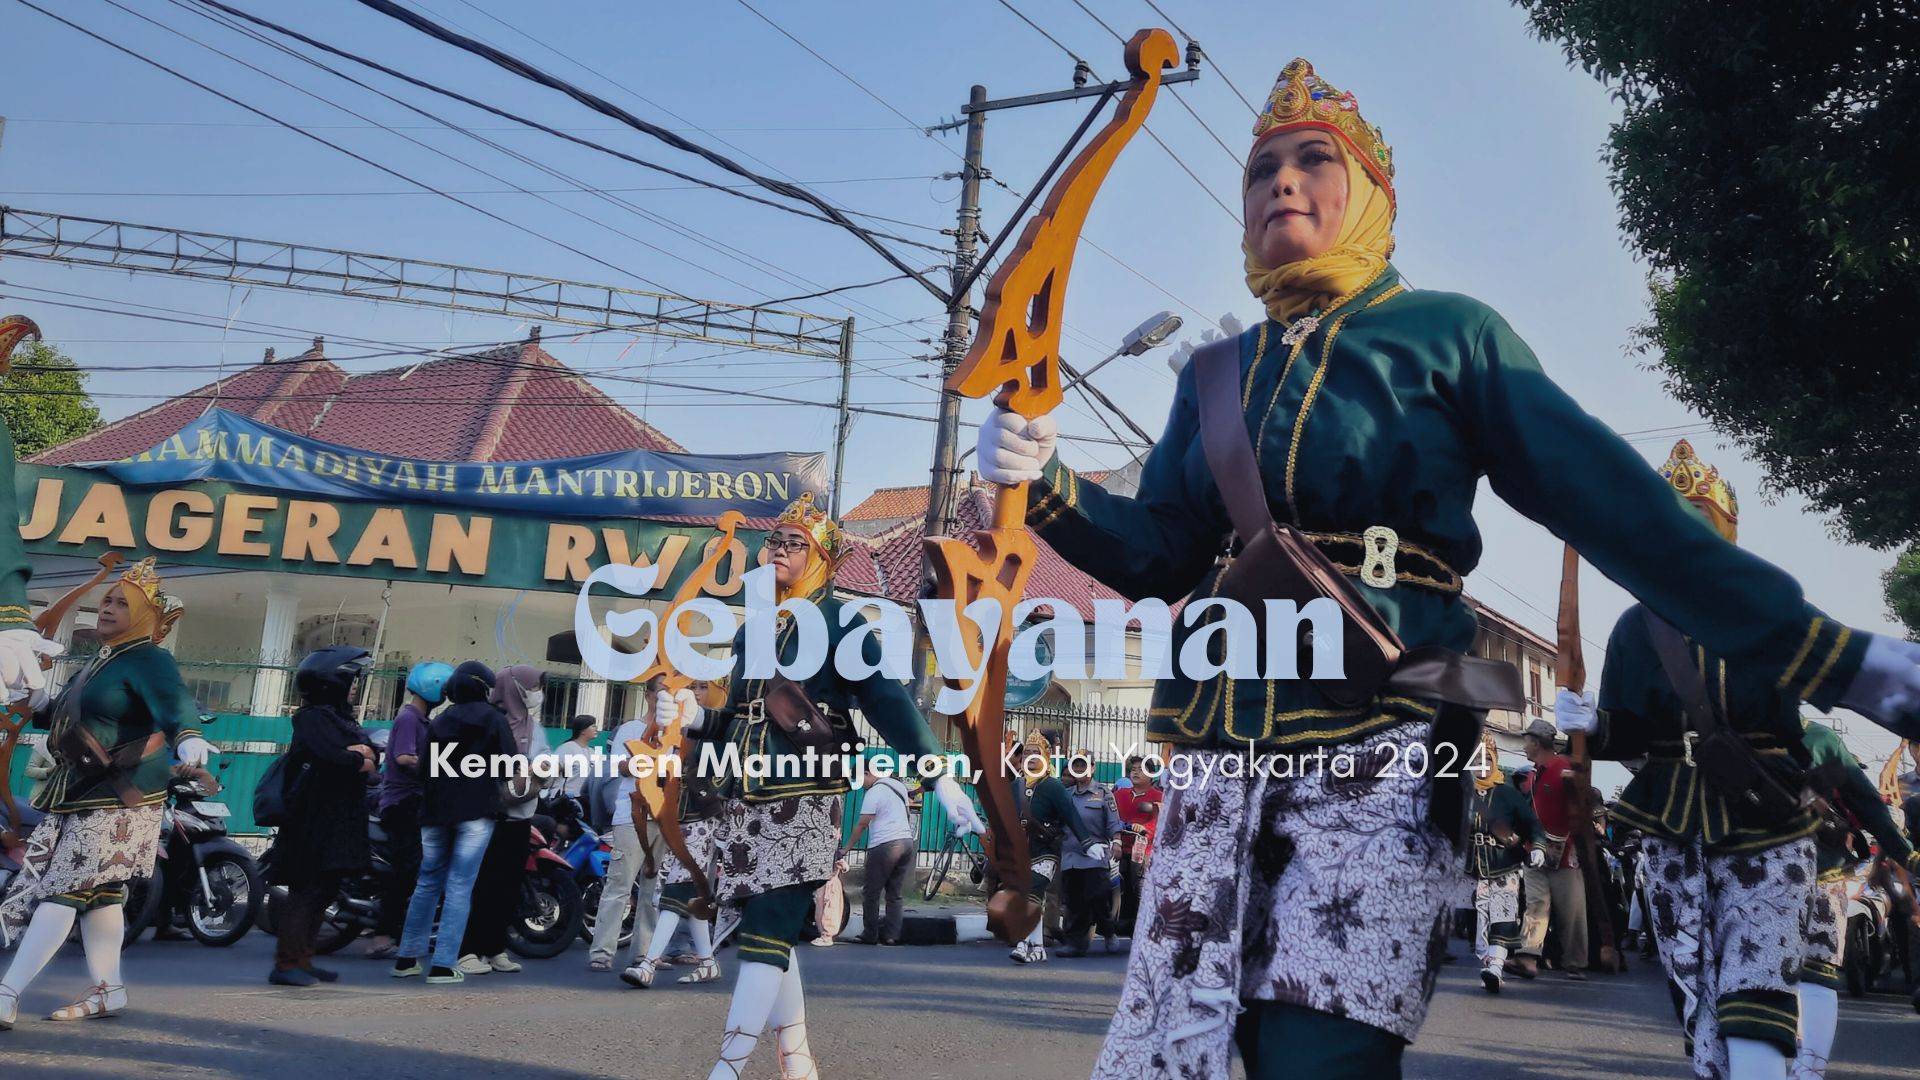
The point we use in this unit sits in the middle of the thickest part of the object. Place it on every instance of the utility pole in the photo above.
(846, 416)
(942, 498)
(940, 490)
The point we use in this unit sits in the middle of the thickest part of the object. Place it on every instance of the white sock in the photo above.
(663, 933)
(1751, 1059)
(102, 932)
(702, 933)
(789, 1020)
(45, 932)
(1819, 1016)
(1034, 939)
(753, 996)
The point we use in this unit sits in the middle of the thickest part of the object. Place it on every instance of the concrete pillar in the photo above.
(592, 701)
(276, 647)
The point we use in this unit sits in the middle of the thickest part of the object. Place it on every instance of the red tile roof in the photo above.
(285, 393)
(891, 567)
(515, 403)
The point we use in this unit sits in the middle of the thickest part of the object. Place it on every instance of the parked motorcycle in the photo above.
(1879, 928)
(203, 879)
(356, 910)
(589, 856)
(551, 910)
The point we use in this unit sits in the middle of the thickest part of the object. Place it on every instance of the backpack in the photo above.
(276, 794)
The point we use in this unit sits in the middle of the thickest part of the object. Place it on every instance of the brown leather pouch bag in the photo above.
(801, 720)
(1275, 561)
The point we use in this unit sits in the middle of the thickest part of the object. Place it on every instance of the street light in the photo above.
(1148, 335)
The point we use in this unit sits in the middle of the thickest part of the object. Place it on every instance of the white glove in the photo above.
(1097, 852)
(1886, 689)
(678, 705)
(958, 807)
(20, 652)
(1536, 858)
(193, 750)
(1012, 448)
(1574, 712)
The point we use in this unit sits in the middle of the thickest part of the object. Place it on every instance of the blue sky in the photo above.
(1497, 144)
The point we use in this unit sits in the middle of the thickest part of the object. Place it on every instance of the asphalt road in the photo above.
(938, 1012)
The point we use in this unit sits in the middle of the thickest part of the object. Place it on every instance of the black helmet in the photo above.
(329, 674)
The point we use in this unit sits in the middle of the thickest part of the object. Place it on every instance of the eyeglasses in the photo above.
(778, 543)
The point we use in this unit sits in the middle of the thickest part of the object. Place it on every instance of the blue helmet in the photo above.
(429, 680)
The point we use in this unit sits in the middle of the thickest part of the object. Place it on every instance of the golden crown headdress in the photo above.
(801, 514)
(1702, 484)
(143, 576)
(1301, 98)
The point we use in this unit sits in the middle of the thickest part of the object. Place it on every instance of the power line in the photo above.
(230, 99)
(256, 36)
(838, 70)
(607, 108)
(556, 132)
(624, 88)
(1218, 70)
(1224, 148)
(396, 129)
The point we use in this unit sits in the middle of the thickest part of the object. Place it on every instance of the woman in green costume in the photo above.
(102, 827)
(1304, 916)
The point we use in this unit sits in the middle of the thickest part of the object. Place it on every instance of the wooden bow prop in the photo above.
(656, 790)
(1016, 360)
(19, 712)
(1570, 670)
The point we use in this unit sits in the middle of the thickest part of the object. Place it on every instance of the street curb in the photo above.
(915, 929)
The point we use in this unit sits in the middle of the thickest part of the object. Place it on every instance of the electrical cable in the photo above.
(556, 132)
(1252, 110)
(230, 99)
(609, 109)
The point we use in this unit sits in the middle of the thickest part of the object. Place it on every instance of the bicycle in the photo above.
(966, 844)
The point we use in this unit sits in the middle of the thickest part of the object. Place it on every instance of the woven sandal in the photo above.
(93, 1006)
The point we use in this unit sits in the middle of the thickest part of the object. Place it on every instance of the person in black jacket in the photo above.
(325, 837)
(456, 822)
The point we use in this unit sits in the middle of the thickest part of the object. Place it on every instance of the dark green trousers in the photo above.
(1279, 1041)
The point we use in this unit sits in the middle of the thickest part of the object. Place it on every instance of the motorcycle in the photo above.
(1879, 928)
(589, 856)
(551, 910)
(203, 879)
(355, 910)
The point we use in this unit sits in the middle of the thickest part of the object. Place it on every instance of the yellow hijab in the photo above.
(1359, 252)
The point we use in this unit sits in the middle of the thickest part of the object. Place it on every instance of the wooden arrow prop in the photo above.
(1016, 360)
(1570, 670)
(656, 786)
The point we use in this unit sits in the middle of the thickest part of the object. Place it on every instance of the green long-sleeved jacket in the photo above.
(126, 693)
(1501, 804)
(884, 703)
(1389, 414)
(1834, 763)
(14, 567)
(1640, 714)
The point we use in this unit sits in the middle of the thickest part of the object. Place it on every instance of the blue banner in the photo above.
(628, 483)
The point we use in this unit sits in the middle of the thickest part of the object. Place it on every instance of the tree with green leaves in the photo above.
(44, 399)
(1765, 164)
(1902, 582)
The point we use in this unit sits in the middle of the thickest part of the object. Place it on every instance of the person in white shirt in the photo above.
(632, 853)
(576, 760)
(890, 857)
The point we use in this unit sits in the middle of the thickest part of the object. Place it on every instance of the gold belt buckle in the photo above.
(1381, 544)
(755, 711)
(1687, 739)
